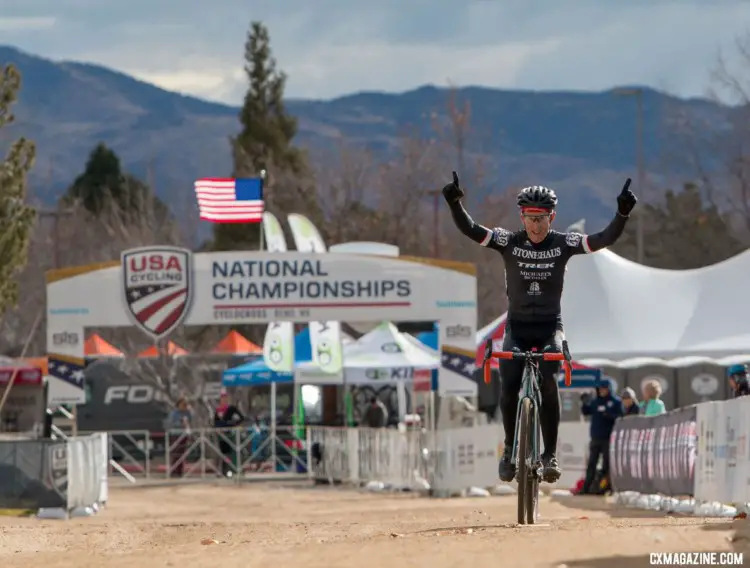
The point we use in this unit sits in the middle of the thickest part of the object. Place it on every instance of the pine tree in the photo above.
(102, 179)
(104, 184)
(16, 218)
(265, 141)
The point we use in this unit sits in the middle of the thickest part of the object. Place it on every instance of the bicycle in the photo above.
(528, 430)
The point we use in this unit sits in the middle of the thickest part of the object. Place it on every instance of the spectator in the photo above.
(376, 415)
(652, 405)
(227, 416)
(178, 427)
(629, 402)
(604, 410)
(738, 380)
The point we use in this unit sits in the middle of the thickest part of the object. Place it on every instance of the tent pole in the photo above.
(273, 424)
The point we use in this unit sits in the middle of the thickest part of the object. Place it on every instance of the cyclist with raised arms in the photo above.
(535, 259)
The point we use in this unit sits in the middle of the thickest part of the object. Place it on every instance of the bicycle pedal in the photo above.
(537, 471)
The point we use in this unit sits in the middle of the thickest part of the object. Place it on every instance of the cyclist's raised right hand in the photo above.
(452, 192)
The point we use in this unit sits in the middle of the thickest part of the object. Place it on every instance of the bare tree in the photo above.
(81, 238)
(721, 152)
(347, 183)
(404, 182)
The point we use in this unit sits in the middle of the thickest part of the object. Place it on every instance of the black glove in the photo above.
(586, 397)
(452, 192)
(626, 200)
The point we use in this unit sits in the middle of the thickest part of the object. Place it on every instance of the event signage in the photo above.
(159, 288)
(655, 454)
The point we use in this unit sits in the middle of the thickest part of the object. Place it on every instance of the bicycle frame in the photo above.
(530, 387)
(526, 440)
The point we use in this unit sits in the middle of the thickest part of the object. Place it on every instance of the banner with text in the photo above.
(655, 454)
(723, 469)
(160, 288)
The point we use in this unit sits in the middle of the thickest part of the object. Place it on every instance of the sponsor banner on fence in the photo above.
(33, 474)
(723, 463)
(467, 457)
(655, 454)
(54, 474)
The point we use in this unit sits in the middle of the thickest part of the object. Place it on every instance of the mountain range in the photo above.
(581, 143)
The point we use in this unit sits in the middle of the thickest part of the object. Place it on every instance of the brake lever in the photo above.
(488, 349)
(566, 351)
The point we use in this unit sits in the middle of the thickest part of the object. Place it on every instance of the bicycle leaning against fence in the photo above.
(526, 446)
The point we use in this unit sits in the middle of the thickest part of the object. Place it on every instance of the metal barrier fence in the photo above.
(207, 452)
(397, 459)
(445, 462)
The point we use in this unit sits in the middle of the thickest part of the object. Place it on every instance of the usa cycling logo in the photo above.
(158, 287)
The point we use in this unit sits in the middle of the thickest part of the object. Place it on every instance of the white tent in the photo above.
(419, 345)
(615, 309)
(385, 355)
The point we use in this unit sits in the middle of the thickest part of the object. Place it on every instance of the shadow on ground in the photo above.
(610, 562)
(740, 539)
(467, 528)
(600, 504)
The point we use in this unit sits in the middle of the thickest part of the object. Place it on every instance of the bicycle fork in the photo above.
(534, 462)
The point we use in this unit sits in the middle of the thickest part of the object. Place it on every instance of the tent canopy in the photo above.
(258, 373)
(429, 338)
(616, 309)
(26, 371)
(234, 343)
(384, 351)
(95, 346)
(425, 340)
(386, 347)
(172, 350)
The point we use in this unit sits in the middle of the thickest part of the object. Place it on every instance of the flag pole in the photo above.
(263, 183)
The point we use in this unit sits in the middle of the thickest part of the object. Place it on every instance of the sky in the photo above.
(335, 47)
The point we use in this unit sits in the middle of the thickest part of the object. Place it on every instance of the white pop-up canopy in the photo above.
(616, 309)
(386, 355)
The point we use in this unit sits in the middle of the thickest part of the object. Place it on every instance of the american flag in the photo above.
(227, 200)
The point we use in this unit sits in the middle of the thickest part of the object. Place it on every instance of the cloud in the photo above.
(13, 24)
(334, 47)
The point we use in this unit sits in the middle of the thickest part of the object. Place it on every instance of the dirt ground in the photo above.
(298, 525)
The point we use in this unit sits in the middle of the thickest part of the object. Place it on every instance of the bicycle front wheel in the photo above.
(528, 484)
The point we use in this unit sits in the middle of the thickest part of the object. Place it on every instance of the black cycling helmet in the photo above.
(537, 196)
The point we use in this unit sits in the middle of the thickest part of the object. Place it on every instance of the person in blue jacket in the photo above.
(604, 409)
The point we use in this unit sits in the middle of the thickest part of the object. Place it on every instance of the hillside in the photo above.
(580, 143)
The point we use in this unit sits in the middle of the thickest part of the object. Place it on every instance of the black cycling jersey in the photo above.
(534, 273)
